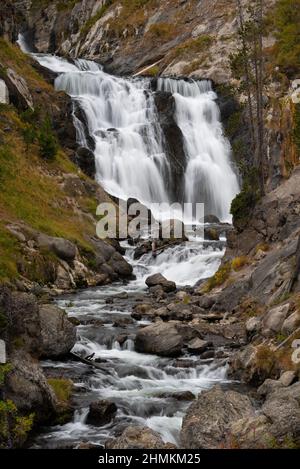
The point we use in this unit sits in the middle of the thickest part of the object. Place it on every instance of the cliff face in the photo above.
(187, 37)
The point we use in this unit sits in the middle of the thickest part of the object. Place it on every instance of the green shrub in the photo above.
(47, 141)
(62, 389)
(14, 428)
(219, 278)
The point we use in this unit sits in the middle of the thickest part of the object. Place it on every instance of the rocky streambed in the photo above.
(152, 354)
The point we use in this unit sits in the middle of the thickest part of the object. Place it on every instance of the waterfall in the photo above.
(130, 151)
(121, 117)
(209, 177)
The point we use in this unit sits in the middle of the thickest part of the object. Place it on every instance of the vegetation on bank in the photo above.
(62, 389)
(286, 20)
(32, 169)
(14, 427)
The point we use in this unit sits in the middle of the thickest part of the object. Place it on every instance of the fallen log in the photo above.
(88, 362)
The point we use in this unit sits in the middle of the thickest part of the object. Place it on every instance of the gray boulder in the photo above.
(160, 339)
(274, 319)
(27, 387)
(197, 345)
(159, 280)
(63, 248)
(207, 420)
(58, 334)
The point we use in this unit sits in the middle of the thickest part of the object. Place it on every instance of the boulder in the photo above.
(109, 261)
(27, 387)
(253, 325)
(197, 345)
(101, 413)
(18, 90)
(135, 437)
(284, 413)
(159, 338)
(211, 219)
(250, 433)
(58, 334)
(274, 319)
(208, 419)
(291, 323)
(4, 96)
(159, 280)
(22, 319)
(63, 248)
(268, 386)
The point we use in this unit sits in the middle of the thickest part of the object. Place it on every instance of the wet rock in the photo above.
(166, 107)
(159, 338)
(123, 322)
(159, 280)
(122, 338)
(209, 354)
(85, 159)
(197, 345)
(208, 418)
(211, 219)
(178, 396)
(58, 334)
(135, 437)
(142, 249)
(101, 413)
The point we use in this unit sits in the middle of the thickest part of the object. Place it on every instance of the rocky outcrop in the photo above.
(182, 42)
(135, 437)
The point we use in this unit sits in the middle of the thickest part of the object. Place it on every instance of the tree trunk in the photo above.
(296, 270)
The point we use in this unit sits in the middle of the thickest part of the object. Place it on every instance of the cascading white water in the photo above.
(209, 177)
(129, 143)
